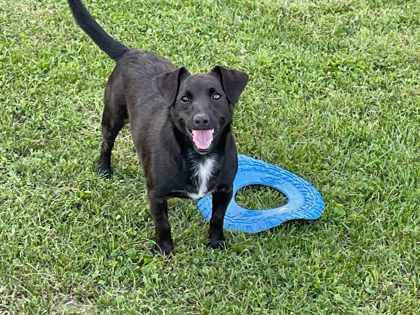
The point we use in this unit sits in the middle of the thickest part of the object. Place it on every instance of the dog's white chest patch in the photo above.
(202, 173)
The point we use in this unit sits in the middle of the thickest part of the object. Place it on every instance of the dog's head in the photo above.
(202, 104)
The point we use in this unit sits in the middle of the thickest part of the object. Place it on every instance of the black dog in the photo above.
(180, 124)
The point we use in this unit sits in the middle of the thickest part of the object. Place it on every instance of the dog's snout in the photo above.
(201, 121)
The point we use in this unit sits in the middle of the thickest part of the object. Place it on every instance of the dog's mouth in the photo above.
(202, 139)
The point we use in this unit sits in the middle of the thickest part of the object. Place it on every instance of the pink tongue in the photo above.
(202, 138)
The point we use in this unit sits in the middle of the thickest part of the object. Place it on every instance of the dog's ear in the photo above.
(233, 82)
(168, 83)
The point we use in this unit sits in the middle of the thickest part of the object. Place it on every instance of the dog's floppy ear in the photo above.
(168, 83)
(233, 82)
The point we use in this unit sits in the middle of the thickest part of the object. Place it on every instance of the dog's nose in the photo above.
(201, 121)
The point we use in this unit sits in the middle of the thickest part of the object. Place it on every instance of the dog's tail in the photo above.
(109, 45)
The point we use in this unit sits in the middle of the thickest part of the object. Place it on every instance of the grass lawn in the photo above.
(333, 97)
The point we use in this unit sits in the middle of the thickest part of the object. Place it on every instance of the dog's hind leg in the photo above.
(113, 119)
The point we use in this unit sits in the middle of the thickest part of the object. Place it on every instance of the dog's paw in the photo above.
(104, 170)
(164, 247)
(217, 243)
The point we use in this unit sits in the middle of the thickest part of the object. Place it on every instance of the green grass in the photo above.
(333, 97)
(260, 197)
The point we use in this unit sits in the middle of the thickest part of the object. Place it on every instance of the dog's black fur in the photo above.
(163, 104)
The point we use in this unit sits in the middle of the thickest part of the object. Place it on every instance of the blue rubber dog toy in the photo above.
(304, 201)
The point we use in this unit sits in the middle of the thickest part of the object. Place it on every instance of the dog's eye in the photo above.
(216, 96)
(185, 99)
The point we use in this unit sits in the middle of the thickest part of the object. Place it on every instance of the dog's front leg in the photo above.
(221, 199)
(159, 210)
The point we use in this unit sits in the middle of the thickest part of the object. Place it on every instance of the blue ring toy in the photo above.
(304, 201)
